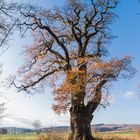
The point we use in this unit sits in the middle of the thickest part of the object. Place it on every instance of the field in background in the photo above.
(118, 135)
(64, 136)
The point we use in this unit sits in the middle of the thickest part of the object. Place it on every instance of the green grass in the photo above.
(28, 136)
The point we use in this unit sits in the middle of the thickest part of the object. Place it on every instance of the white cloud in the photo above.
(16, 122)
(129, 95)
(57, 120)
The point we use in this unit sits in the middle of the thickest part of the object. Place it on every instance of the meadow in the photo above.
(64, 136)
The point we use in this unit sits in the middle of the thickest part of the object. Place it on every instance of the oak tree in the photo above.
(69, 52)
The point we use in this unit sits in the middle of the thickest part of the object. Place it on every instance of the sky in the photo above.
(22, 109)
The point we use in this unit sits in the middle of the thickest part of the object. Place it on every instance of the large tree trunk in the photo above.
(81, 115)
(80, 123)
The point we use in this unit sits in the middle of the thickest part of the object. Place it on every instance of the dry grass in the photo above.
(101, 136)
(64, 136)
(57, 136)
(118, 136)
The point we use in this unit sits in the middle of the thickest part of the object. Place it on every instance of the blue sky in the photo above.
(124, 106)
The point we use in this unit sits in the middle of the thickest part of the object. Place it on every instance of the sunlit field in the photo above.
(64, 136)
(118, 136)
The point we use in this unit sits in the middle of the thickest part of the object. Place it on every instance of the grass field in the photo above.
(64, 136)
(118, 135)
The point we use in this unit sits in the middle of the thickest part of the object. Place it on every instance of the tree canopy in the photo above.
(66, 41)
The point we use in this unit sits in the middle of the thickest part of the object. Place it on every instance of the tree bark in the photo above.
(81, 115)
(80, 123)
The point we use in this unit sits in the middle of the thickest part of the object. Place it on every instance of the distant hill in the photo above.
(115, 127)
(17, 130)
(100, 127)
(97, 127)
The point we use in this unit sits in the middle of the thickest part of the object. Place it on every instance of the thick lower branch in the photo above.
(93, 104)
